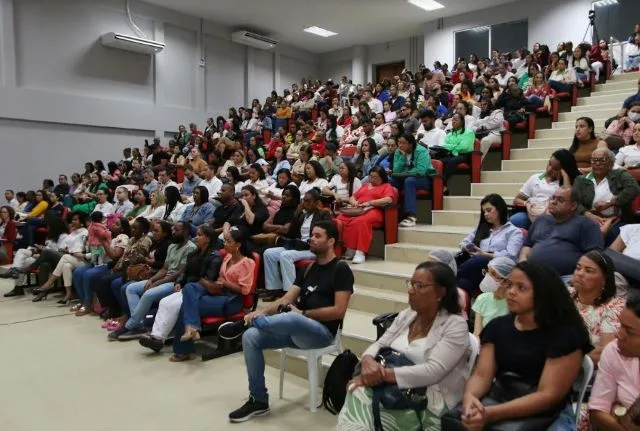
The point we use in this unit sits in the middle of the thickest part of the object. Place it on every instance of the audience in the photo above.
(492, 302)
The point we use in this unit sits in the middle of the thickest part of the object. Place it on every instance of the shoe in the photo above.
(40, 296)
(9, 273)
(36, 290)
(132, 334)
(408, 222)
(151, 343)
(76, 308)
(115, 335)
(231, 330)
(359, 257)
(17, 291)
(63, 302)
(349, 254)
(191, 334)
(251, 408)
(83, 311)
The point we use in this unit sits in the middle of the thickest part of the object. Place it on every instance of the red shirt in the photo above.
(319, 147)
(271, 148)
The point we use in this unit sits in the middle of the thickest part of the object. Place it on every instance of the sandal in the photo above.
(181, 358)
(191, 334)
(83, 311)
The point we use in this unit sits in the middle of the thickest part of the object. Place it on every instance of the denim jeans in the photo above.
(632, 63)
(521, 220)
(84, 278)
(411, 185)
(275, 332)
(279, 257)
(536, 101)
(140, 302)
(29, 231)
(120, 292)
(560, 87)
(566, 421)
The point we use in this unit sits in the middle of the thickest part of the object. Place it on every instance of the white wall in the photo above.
(550, 21)
(65, 99)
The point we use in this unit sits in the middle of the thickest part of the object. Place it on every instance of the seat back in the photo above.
(250, 301)
(474, 346)
(179, 174)
(437, 196)
(348, 151)
(581, 384)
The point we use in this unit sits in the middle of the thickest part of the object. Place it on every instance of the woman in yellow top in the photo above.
(34, 219)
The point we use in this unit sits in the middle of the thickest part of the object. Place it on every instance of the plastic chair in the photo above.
(314, 362)
(581, 384)
(474, 345)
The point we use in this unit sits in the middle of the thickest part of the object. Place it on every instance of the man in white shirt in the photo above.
(212, 183)
(369, 132)
(374, 104)
(123, 205)
(517, 63)
(428, 134)
(11, 200)
(503, 76)
(164, 181)
(103, 205)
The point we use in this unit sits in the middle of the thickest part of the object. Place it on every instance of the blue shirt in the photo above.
(284, 164)
(631, 99)
(505, 241)
(151, 187)
(188, 186)
(201, 215)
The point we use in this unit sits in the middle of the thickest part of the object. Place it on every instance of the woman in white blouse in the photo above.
(314, 177)
(343, 185)
(155, 211)
(258, 179)
(628, 157)
(173, 208)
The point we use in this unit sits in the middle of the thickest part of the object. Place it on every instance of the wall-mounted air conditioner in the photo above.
(131, 43)
(252, 39)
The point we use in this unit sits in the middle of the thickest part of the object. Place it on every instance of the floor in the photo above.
(59, 372)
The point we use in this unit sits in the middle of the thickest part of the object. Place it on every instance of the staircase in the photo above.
(380, 284)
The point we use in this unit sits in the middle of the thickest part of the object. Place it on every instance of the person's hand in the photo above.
(601, 206)
(473, 413)
(481, 252)
(607, 223)
(148, 285)
(244, 203)
(249, 318)
(177, 287)
(627, 423)
(354, 384)
(294, 309)
(372, 373)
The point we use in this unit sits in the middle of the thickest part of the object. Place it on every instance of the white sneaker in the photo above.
(359, 257)
(408, 222)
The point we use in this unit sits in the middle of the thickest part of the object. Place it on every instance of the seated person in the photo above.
(536, 192)
(298, 167)
(254, 213)
(317, 301)
(343, 185)
(258, 179)
(122, 205)
(200, 212)
(605, 194)
(492, 302)
(366, 159)
(230, 208)
(488, 128)
(619, 133)
(432, 334)
(275, 190)
(173, 208)
(190, 182)
(459, 142)
(140, 203)
(584, 143)
(8, 233)
(278, 223)
(331, 160)
(411, 172)
(34, 218)
(314, 177)
(155, 209)
(625, 254)
(537, 348)
(279, 262)
(358, 228)
(493, 237)
(629, 156)
(562, 78)
(141, 295)
(615, 397)
(560, 238)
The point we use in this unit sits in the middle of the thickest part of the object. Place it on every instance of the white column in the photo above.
(7, 45)
(359, 64)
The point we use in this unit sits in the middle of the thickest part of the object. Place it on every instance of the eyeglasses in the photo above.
(417, 285)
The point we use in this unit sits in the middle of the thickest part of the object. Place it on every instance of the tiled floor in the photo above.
(58, 372)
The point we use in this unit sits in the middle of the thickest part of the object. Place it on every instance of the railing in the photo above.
(614, 46)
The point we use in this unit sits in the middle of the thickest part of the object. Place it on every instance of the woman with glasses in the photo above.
(433, 335)
(605, 195)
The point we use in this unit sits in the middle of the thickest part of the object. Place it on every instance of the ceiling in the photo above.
(356, 21)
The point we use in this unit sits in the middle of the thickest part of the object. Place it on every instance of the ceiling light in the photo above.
(318, 31)
(426, 4)
(603, 3)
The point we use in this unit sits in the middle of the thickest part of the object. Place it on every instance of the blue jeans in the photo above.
(84, 278)
(29, 231)
(632, 63)
(120, 292)
(520, 220)
(140, 302)
(275, 332)
(566, 421)
(560, 87)
(279, 257)
(196, 302)
(410, 186)
(470, 273)
(536, 101)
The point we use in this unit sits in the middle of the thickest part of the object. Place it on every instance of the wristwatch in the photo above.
(619, 412)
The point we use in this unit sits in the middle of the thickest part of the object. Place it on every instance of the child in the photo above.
(98, 232)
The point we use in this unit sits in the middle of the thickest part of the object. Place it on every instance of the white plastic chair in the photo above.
(314, 362)
(581, 384)
(474, 345)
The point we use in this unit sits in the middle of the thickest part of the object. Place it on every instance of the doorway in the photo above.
(389, 70)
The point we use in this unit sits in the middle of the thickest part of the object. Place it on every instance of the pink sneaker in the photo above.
(107, 323)
(114, 326)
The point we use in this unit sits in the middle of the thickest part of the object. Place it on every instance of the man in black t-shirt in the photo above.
(317, 301)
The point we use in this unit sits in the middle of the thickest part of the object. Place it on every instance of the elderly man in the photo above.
(560, 238)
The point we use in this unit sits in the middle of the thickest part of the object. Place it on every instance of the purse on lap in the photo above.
(139, 272)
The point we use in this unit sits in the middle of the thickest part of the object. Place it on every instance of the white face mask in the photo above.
(489, 284)
(634, 116)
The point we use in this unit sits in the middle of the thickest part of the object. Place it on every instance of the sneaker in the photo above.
(132, 334)
(115, 335)
(250, 409)
(151, 343)
(408, 222)
(359, 257)
(17, 291)
(231, 330)
(349, 254)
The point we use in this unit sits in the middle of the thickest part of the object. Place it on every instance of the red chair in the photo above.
(572, 96)
(348, 151)
(249, 304)
(592, 81)
(8, 248)
(476, 163)
(179, 174)
(266, 136)
(506, 141)
(390, 221)
(314, 113)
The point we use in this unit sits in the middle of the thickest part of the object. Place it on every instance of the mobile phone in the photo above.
(471, 247)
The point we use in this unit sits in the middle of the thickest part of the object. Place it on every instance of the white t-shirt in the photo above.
(305, 229)
(105, 208)
(432, 138)
(502, 81)
(305, 186)
(342, 188)
(375, 105)
(213, 187)
(537, 185)
(630, 235)
(377, 137)
(603, 194)
(629, 155)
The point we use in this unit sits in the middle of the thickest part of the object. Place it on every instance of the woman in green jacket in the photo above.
(460, 143)
(411, 171)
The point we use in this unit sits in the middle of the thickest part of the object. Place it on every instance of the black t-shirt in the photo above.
(260, 213)
(320, 283)
(230, 212)
(525, 352)
(155, 158)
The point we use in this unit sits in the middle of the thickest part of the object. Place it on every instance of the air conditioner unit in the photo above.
(252, 39)
(131, 43)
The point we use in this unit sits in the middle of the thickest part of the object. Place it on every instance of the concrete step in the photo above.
(467, 203)
(595, 113)
(384, 275)
(571, 124)
(553, 143)
(602, 106)
(376, 301)
(412, 253)
(556, 133)
(507, 176)
(625, 91)
(598, 99)
(434, 235)
(616, 85)
(536, 153)
(632, 76)
(506, 189)
(455, 218)
(525, 165)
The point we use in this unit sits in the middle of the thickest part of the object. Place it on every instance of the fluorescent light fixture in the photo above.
(318, 31)
(426, 4)
(603, 3)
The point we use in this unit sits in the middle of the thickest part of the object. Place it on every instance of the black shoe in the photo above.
(132, 334)
(250, 409)
(17, 291)
(41, 295)
(151, 343)
(231, 330)
(115, 335)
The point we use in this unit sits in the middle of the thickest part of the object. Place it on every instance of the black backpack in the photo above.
(335, 383)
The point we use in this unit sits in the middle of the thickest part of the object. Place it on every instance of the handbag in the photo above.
(353, 211)
(439, 152)
(139, 272)
(389, 395)
(506, 387)
(265, 239)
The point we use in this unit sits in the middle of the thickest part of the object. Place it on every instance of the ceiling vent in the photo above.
(254, 40)
(131, 43)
